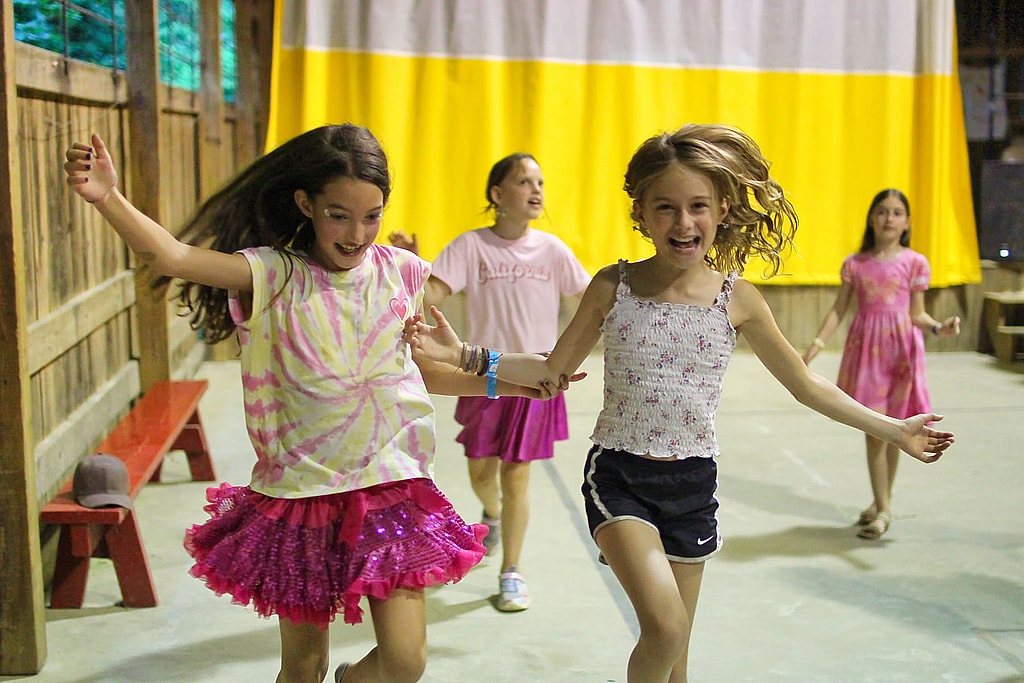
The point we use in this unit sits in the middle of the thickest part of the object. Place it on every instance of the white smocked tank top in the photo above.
(664, 364)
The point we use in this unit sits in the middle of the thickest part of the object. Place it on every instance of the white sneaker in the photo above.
(512, 592)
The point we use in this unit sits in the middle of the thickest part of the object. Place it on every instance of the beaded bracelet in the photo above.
(492, 373)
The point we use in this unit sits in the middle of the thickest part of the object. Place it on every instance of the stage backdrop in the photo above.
(846, 97)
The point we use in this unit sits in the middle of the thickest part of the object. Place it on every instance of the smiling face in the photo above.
(521, 193)
(346, 218)
(680, 214)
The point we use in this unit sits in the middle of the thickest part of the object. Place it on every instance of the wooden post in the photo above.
(212, 168)
(254, 47)
(144, 163)
(22, 617)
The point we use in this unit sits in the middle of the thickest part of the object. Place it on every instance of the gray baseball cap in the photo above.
(102, 480)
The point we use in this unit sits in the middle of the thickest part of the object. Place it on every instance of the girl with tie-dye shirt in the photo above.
(341, 503)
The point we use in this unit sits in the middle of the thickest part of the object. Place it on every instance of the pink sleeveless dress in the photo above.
(883, 364)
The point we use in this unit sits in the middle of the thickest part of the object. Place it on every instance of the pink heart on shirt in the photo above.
(399, 308)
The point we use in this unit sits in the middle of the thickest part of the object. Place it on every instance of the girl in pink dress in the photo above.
(883, 360)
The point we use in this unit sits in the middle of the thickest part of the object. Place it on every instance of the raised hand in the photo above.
(91, 172)
(920, 440)
(400, 239)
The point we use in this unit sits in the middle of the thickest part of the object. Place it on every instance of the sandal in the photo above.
(876, 528)
(867, 517)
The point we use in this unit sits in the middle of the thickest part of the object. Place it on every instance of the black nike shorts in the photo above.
(676, 497)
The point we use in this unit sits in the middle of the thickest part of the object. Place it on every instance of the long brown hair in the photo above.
(257, 208)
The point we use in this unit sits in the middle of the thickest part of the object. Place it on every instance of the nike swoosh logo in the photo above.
(702, 541)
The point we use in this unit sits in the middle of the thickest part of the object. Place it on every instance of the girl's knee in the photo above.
(667, 634)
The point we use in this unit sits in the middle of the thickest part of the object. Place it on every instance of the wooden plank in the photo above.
(1006, 297)
(254, 28)
(72, 322)
(22, 619)
(61, 450)
(211, 98)
(45, 71)
(144, 169)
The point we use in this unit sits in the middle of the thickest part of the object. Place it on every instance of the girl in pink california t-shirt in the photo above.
(514, 278)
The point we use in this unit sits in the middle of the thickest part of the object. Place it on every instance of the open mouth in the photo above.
(346, 250)
(685, 244)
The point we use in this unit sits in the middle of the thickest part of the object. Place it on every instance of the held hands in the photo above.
(921, 441)
(91, 172)
(442, 345)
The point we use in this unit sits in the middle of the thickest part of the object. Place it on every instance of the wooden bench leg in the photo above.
(124, 542)
(192, 440)
(72, 568)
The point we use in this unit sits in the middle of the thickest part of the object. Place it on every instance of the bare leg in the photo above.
(882, 461)
(400, 623)
(892, 457)
(881, 470)
(664, 596)
(515, 513)
(483, 477)
(688, 578)
(304, 652)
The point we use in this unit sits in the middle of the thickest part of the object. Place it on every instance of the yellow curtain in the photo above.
(846, 98)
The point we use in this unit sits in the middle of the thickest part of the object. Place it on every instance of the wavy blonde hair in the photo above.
(761, 220)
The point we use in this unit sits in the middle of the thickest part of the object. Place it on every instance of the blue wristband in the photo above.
(492, 373)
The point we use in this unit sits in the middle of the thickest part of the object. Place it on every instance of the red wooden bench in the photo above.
(166, 418)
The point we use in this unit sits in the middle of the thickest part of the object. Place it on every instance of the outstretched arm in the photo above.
(91, 175)
(753, 318)
(445, 380)
(831, 321)
(550, 373)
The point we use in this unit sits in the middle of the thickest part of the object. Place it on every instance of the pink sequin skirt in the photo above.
(305, 559)
(511, 428)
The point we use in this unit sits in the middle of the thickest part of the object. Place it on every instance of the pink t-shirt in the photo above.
(513, 287)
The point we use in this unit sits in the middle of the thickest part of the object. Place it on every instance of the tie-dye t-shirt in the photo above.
(333, 399)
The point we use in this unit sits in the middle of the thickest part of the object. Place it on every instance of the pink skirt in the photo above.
(512, 428)
(305, 559)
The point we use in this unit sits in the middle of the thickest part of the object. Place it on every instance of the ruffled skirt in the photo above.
(304, 559)
(511, 428)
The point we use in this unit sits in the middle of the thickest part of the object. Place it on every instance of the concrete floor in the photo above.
(793, 596)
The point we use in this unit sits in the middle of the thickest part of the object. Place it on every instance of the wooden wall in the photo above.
(84, 332)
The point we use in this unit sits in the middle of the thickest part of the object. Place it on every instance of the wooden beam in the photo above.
(61, 330)
(43, 71)
(211, 100)
(22, 617)
(254, 48)
(143, 62)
